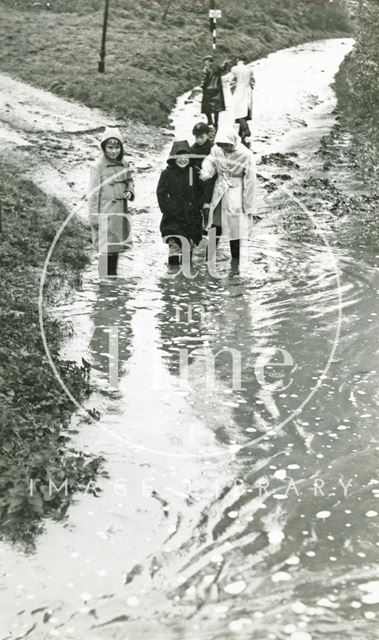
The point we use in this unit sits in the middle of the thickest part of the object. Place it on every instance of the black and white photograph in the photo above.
(189, 280)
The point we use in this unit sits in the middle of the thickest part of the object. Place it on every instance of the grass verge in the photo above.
(35, 412)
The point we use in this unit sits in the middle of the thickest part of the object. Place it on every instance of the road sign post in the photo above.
(214, 15)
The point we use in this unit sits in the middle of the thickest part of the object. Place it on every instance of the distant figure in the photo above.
(242, 85)
(226, 118)
(111, 186)
(179, 195)
(233, 199)
(213, 96)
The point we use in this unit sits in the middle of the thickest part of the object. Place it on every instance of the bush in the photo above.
(360, 90)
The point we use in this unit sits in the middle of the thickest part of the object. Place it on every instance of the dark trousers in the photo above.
(234, 245)
(212, 121)
(244, 129)
(175, 250)
(235, 249)
(108, 264)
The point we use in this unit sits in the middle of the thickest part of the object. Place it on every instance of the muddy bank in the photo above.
(352, 148)
(347, 185)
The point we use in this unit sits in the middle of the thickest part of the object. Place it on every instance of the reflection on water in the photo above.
(241, 423)
(110, 345)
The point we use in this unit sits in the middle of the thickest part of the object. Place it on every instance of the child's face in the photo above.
(226, 147)
(201, 139)
(212, 134)
(182, 161)
(112, 148)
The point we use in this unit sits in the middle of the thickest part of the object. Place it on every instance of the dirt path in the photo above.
(55, 140)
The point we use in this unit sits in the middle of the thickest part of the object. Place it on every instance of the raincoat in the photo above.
(234, 193)
(242, 84)
(179, 195)
(226, 118)
(213, 95)
(109, 179)
(200, 151)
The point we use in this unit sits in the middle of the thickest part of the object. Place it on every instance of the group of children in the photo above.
(208, 186)
(206, 189)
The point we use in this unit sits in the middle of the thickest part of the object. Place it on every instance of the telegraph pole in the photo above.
(213, 15)
(166, 10)
(103, 38)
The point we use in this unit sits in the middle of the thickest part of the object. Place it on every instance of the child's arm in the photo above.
(249, 188)
(129, 193)
(163, 192)
(208, 168)
(204, 79)
(208, 189)
(232, 81)
(94, 196)
(208, 175)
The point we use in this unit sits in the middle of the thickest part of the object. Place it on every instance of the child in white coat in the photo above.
(234, 194)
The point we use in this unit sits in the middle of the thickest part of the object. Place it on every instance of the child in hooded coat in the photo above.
(180, 198)
(233, 200)
(111, 187)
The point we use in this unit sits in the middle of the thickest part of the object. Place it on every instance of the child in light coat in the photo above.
(234, 193)
(111, 188)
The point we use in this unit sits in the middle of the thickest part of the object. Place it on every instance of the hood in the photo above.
(179, 147)
(112, 132)
(227, 136)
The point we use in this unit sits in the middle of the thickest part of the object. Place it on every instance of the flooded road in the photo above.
(237, 416)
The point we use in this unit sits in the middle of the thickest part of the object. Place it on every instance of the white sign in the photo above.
(215, 13)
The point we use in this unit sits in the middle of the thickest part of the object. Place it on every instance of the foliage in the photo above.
(55, 44)
(358, 88)
(363, 65)
(35, 412)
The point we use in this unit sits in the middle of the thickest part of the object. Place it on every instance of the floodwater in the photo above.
(242, 498)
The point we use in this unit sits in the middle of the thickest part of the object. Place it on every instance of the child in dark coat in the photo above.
(201, 149)
(180, 200)
(202, 145)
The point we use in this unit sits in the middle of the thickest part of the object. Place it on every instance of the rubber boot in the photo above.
(112, 264)
(174, 252)
(235, 249)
